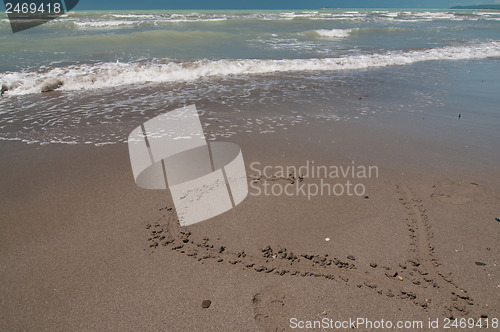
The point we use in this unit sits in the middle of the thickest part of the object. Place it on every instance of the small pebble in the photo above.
(205, 304)
(3, 89)
(374, 265)
(480, 264)
(327, 239)
(351, 257)
(366, 197)
(497, 219)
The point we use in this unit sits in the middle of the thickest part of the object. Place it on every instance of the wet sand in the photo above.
(83, 248)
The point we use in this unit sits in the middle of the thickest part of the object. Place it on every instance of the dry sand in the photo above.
(83, 248)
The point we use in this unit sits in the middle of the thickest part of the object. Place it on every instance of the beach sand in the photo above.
(83, 248)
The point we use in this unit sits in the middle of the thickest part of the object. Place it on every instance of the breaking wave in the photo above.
(107, 74)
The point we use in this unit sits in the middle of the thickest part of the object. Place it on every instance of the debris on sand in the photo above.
(205, 304)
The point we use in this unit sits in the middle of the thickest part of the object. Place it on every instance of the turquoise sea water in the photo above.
(143, 37)
(117, 66)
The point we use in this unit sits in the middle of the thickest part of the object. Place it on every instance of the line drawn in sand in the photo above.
(420, 279)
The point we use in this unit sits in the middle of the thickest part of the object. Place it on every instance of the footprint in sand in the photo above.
(458, 192)
(270, 308)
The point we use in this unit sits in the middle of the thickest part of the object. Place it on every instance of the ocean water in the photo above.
(272, 69)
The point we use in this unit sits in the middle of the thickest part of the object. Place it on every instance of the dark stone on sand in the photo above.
(414, 263)
(260, 268)
(373, 265)
(4, 88)
(221, 249)
(480, 263)
(497, 219)
(366, 197)
(206, 304)
(351, 257)
(373, 286)
(283, 272)
(51, 85)
(268, 248)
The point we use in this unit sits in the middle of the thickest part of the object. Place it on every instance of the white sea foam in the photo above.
(104, 24)
(105, 75)
(333, 33)
(142, 16)
(192, 20)
(434, 15)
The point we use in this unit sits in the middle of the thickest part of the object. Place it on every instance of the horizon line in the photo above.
(322, 8)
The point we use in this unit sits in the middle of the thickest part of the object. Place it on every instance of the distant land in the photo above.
(477, 7)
